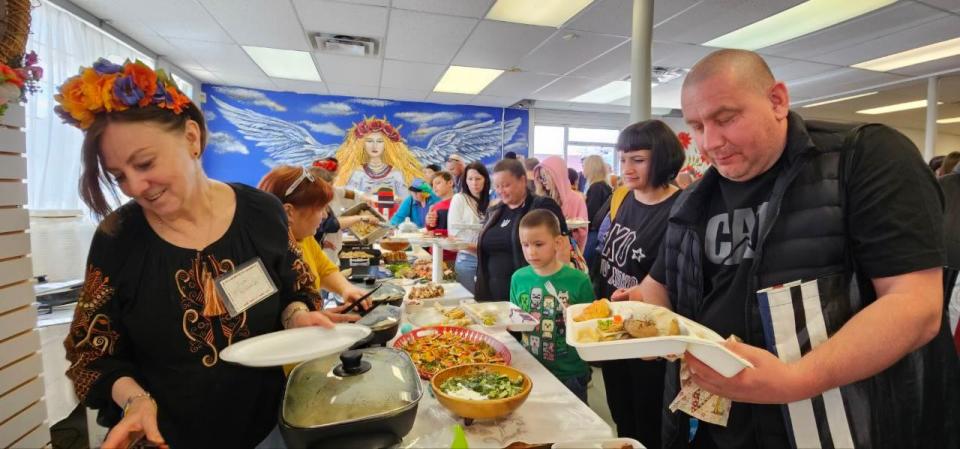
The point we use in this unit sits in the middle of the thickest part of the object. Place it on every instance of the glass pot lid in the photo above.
(353, 386)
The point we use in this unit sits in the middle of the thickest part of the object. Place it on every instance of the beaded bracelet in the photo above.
(129, 401)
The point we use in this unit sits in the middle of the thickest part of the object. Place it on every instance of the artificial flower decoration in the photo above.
(371, 125)
(107, 87)
(19, 78)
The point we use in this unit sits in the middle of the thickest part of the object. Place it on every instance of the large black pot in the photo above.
(362, 399)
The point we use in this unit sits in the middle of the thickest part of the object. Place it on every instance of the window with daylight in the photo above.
(575, 144)
(63, 43)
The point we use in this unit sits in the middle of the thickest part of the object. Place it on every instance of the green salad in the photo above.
(490, 385)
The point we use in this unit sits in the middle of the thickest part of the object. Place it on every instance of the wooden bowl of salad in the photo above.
(481, 390)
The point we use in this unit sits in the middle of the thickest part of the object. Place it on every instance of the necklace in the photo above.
(376, 173)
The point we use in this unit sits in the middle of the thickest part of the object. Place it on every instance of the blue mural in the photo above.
(377, 141)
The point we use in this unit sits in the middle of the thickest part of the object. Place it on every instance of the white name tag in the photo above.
(244, 287)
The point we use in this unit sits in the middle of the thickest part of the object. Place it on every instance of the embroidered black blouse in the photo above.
(142, 314)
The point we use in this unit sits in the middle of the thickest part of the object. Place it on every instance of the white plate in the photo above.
(509, 316)
(612, 443)
(700, 341)
(293, 345)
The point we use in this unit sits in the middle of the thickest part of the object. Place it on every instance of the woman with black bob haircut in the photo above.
(650, 157)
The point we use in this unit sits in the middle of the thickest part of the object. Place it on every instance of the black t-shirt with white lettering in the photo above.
(729, 243)
(632, 244)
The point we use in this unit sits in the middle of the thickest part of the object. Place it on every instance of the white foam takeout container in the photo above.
(700, 341)
(509, 316)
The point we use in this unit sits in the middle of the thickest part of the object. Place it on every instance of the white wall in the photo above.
(945, 142)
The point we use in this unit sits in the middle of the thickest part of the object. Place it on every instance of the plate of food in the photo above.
(605, 330)
(436, 348)
(481, 391)
(366, 232)
(502, 315)
(426, 291)
(420, 269)
(440, 315)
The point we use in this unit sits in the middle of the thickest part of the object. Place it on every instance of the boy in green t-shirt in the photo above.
(544, 289)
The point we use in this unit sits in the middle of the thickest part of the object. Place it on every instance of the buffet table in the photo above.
(551, 406)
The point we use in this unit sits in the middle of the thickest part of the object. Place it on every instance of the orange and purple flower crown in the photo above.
(108, 87)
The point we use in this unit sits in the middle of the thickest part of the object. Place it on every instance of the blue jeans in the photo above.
(578, 385)
(466, 269)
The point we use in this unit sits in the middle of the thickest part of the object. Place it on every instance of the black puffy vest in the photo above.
(913, 403)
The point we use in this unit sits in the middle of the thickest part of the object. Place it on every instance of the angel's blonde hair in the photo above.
(352, 156)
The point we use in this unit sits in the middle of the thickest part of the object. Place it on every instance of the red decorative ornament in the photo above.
(326, 164)
(684, 139)
(373, 125)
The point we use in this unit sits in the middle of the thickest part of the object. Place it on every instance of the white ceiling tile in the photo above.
(707, 20)
(949, 5)
(517, 84)
(353, 90)
(401, 94)
(838, 81)
(797, 69)
(897, 17)
(448, 98)
(277, 25)
(613, 65)
(368, 2)
(357, 70)
(205, 76)
(251, 81)
(939, 65)
(411, 75)
(300, 86)
(567, 87)
(159, 45)
(464, 8)
(185, 19)
(342, 18)
(500, 45)
(917, 36)
(219, 58)
(616, 16)
(666, 95)
(559, 56)
(487, 100)
(422, 37)
(669, 54)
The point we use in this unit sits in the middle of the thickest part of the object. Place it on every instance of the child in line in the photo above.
(544, 289)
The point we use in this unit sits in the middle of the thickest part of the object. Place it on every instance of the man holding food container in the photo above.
(819, 246)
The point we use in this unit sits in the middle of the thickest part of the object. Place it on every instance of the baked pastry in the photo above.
(598, 309)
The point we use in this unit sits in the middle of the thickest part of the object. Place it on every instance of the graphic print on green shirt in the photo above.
(547, 297)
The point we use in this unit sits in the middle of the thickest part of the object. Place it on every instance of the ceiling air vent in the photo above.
(341, 44)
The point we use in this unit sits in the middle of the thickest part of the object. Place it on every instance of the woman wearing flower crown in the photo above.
(144, 346)
(375, 160)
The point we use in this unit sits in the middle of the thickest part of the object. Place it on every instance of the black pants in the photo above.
(635, 396)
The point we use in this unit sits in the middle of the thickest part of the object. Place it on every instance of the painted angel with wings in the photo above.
(374, 158)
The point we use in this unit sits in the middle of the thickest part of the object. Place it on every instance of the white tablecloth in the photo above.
(551, 413)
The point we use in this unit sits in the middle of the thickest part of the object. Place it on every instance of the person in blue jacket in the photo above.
(416, 205)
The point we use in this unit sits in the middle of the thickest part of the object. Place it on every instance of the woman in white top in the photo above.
(467, 210)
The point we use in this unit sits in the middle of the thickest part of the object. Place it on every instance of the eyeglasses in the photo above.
(305, 174)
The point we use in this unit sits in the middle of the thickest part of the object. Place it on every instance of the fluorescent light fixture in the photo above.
(945, 121)
(466, 80)
(548, 13)
(837, 100)
(800, 20)
(896, 107)
(289, 64)
(607, 93)
(926, 53)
